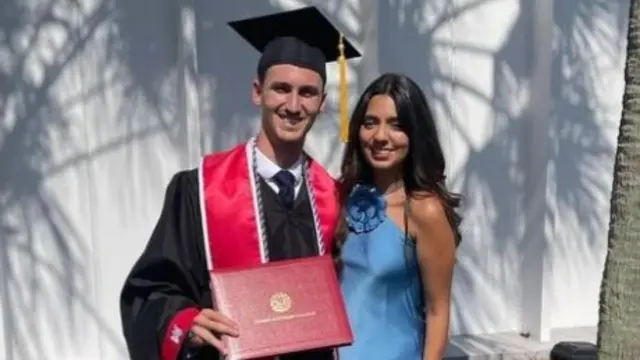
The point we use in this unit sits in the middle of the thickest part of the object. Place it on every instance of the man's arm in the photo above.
(164, 291)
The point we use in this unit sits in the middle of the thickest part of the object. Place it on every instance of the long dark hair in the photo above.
(424, 167)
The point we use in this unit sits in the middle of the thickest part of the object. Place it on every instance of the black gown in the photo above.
(171, 273)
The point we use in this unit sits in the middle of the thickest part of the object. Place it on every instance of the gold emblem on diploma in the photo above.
(280, 302)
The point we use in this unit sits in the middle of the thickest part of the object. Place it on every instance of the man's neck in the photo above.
(284, 155)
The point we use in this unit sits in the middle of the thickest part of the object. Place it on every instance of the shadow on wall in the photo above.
(495, 170)
(488, 288)
(107, 84)
(428, 30)
(44, 84)
(584, 123)
(226, 69)
(70, 56)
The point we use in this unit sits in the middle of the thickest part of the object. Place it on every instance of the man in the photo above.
(261, 201)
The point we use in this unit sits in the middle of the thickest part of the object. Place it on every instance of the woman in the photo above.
(397, 240)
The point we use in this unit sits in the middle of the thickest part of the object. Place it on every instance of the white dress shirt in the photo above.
(267, 169)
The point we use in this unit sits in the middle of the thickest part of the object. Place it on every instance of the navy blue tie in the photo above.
(286, 182)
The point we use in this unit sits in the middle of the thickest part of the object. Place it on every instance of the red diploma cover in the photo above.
(282, 307)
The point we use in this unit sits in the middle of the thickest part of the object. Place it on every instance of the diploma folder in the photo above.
(282, 307)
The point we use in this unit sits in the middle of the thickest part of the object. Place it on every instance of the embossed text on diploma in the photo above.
(284, 317)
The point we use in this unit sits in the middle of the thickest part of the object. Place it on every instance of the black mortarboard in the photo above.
(302, 37)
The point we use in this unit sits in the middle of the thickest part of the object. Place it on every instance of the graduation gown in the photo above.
(210, 219)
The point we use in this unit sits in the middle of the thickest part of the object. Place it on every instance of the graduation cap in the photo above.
(304, 38)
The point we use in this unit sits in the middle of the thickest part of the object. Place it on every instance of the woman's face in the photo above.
(384, 145)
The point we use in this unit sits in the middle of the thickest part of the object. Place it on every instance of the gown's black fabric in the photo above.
(290, 233)
(171, 273)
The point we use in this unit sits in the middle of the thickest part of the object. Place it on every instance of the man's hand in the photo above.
(208, 328)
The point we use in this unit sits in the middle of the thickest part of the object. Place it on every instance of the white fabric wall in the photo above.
(102, 102)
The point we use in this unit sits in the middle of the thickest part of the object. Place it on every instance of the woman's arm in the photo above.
(436, 256)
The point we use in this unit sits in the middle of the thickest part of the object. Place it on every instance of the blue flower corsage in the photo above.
(366, 209)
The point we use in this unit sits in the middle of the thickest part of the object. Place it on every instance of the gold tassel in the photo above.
(344, 95)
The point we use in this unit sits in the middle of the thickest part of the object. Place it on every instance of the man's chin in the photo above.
(290, 136)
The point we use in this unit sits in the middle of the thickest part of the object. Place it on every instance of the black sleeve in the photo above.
(170, 274)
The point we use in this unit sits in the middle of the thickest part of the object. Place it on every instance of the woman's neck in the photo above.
(388, 182)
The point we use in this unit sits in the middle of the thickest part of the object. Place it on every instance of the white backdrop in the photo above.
(102, 101)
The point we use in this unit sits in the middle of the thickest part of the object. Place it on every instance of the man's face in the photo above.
(290, 97)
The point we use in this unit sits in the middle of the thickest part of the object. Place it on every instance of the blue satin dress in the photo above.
(380, 283)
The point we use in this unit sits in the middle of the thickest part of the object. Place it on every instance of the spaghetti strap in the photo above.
(405, 216)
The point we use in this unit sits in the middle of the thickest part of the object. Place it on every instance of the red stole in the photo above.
(229, 211)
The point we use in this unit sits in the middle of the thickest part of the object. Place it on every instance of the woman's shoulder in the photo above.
(426, 208)
(430, 224)
(428, 217)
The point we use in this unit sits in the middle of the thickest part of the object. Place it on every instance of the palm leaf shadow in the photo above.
(45, 259)
(493, 177)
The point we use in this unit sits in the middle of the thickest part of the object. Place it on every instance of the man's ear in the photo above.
(324, 101)
(256, 92)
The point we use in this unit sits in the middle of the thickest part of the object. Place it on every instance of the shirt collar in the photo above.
(268, 169)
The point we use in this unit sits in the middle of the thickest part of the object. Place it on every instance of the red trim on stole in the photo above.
(324, 188)
(176, 333)
(229, 208)
(228, 205)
